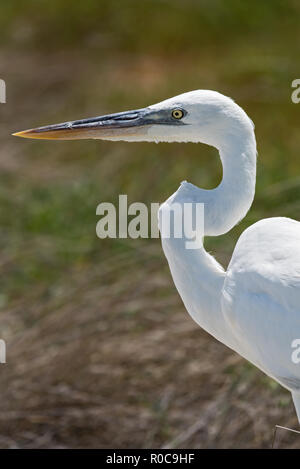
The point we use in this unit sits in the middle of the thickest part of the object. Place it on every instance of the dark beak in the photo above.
(115, 126)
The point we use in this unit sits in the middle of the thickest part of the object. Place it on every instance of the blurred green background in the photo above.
(100, 351)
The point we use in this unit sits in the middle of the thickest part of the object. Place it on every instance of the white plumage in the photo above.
(253, 307)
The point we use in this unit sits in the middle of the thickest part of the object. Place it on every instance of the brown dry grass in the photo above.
(118, 363)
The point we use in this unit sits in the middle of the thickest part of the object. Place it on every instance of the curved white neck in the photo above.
(196, 274)
(228, 203)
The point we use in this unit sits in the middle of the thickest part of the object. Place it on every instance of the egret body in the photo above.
(254, 306)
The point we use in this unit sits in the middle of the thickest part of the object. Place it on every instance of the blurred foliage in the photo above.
(147, 26)
(64, 60)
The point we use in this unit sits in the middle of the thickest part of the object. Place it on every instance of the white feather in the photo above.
(253, 307)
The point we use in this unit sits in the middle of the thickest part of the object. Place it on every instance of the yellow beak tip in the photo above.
(46, 135)
(20, 134)
(32, 134)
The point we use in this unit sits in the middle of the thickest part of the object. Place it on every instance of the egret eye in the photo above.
(177, 113)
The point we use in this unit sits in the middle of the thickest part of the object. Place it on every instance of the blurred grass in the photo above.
(65, 60)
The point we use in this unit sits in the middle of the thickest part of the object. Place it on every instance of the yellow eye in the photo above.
(177, 113)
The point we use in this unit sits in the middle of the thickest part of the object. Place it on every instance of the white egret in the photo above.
(254, 306)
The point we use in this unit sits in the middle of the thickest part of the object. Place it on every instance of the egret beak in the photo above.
(122, 125)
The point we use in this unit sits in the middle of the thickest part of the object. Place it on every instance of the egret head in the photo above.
(197, 116)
